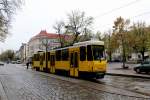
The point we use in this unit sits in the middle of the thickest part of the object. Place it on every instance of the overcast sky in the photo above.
(37, 15)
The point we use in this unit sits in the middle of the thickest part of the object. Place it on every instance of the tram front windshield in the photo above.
(98, 52)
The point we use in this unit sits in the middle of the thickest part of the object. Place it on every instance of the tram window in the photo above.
(43, 56)
(82, 53)
(58, 55)
(71, 59)
(65, 54)
(52, 58)
(34, 57)
(76, 59)
(48, 55)
(98, 52)
(89, 53)
(38, 57)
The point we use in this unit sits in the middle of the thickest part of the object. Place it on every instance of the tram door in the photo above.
(74, 64)
(52, 63)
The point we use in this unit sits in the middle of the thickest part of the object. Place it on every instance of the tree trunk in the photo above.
(124, 54)
(110, 53)
(46, 60)
(142, 55)
(124, 59)
(110, 56)
(75, 39)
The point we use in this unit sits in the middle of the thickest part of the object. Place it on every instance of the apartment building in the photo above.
(36, 43)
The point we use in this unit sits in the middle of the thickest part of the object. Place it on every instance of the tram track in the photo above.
(109, 84)
(96, 85)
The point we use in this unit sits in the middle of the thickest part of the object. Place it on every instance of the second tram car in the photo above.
(84, 59)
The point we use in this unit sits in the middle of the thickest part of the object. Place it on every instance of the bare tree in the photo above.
(59, 27)
(87, 35)
(7, 9)
(45, 45)
(99, 35)
(77, 23)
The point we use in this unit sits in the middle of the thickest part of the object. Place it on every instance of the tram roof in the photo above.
(91, 42)
(84, 43)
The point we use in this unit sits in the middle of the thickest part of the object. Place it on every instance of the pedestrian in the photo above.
(27, 64)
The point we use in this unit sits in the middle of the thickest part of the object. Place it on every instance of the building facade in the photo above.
(38, 42)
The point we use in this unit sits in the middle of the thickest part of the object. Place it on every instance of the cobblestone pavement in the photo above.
(18, 83)
(139, 85)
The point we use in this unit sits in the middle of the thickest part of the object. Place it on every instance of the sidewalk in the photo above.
(117, 70)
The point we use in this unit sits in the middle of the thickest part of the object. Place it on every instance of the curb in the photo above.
(126, 75)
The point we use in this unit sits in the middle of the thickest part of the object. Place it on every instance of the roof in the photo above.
(91, 42)
(43, 33)
(84, 43)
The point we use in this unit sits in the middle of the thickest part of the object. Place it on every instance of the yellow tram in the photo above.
(84, 59)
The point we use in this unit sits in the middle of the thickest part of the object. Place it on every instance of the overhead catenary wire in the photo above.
(139, 15)
(118, 8)
(132, 17)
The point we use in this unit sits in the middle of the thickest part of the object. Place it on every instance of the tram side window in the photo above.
(76, 60)
(65, 54)
(89, 53)
(98, 52)
(40, 57)
(48, 56)
(37, 57)
(34, 57)
(58, 55)
(43, 56)
(52, 58)
(71, 59)
(82, 53)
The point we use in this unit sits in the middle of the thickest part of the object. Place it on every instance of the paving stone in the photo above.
(21, 84)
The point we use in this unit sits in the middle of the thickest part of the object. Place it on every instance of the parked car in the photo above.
(1, 63)
(18, 61)
(13, 62)
(143, 67)
(132, 61)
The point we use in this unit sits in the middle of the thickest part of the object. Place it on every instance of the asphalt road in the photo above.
(18, 83)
